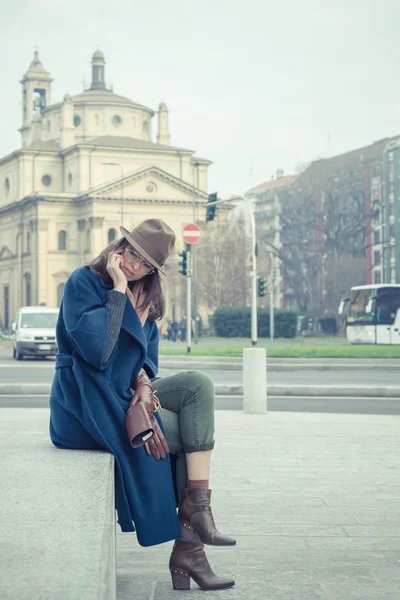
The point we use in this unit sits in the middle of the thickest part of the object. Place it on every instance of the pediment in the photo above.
(5, 253)
(149, 184)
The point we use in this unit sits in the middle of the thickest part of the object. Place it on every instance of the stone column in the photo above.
(81, 239)
(97, 239)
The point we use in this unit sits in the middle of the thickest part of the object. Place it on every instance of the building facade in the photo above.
(335, 225)
(86, 166)
(267, 203)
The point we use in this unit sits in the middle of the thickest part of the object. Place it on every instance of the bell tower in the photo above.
(36, 93)
(163, 136)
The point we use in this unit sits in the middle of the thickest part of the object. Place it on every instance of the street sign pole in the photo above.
(191, 235)
(189, 301)
(196, 325)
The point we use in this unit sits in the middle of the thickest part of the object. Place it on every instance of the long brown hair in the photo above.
(151, 283)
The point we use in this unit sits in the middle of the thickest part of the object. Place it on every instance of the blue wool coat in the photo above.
(89, 401)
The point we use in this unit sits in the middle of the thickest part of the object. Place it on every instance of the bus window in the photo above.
(362, 306)
(388, 302)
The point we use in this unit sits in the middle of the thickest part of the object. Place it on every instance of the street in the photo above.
(41, 371)
(339, 386)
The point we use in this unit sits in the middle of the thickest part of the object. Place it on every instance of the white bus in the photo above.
(373, 314)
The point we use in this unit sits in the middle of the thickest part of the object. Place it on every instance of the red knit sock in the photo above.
(198, 484)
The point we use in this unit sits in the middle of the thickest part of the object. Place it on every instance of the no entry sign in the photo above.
(191, 233)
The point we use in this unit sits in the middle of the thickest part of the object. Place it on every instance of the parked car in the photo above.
(34, 332)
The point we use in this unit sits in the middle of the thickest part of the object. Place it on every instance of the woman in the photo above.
(108, 344)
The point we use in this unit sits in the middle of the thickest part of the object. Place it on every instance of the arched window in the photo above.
(88, 240)
(28, 242)
(62, 240)
(112, 234)
(60, 291)
(28, 289)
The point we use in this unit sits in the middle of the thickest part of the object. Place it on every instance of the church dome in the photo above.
(104, 96)
(98, 55)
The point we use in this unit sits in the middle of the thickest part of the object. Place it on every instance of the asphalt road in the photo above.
(41, 371)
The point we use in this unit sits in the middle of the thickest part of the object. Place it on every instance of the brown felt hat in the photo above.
(153, 239)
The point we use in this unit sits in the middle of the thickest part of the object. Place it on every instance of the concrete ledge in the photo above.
(57, 515)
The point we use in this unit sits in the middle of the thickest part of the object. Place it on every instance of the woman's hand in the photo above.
(157, 445)
(113, 267)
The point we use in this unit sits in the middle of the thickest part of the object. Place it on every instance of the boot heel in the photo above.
(180, 579)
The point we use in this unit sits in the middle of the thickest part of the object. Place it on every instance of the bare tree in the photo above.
(221, 265)
(345, 226)
(323, 231)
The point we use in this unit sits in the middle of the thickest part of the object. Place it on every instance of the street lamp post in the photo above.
(254, 359)
(254, 258)
(254, 274)
(115, 164)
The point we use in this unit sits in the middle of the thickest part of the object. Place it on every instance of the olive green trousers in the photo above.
(187, 400)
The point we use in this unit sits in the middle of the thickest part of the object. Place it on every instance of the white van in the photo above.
(34, 332)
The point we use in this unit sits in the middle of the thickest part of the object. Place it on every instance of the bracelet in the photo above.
(157, 403)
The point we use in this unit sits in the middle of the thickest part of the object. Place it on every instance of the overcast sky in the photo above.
(253, 85)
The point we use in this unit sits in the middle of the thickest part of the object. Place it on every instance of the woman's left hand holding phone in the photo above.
(118, 277)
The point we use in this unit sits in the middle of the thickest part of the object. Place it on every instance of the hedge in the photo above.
(231, 321)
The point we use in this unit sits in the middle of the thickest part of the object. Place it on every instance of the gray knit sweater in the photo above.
(115, 307)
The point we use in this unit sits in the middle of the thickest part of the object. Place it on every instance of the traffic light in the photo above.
(182, 262)
(261, 286)
(210, 215)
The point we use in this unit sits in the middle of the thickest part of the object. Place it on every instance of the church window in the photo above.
(134, 122)
(97, 120)
(88, 240)
(7, 187)
(112, 234)
(62, 240)
(69, 179)
(46, 180)
(28, 242)
(48, 124)
(77, 120)
(146, 126)
(116, 120)
(39, 100)
(60, 292)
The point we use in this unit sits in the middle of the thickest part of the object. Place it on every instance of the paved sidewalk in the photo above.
(313, 500)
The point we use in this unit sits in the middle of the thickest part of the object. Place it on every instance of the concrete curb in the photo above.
(43, 389)
(308, 365)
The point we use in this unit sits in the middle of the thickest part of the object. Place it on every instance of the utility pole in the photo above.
(189, 300)
(194, 258)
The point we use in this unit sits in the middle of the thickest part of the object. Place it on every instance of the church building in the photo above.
(87, 165)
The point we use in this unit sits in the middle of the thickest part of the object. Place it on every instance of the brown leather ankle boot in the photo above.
(196, 509)
(188, 560)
